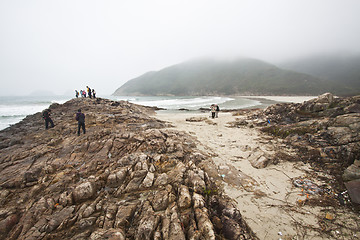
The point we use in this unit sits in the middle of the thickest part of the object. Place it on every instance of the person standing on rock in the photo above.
(47, 118)
(89, 91)
(76, 94)
(80, 117)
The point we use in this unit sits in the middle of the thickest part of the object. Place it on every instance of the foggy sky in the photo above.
(68, 44)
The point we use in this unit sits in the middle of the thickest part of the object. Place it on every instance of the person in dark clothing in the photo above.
(76, 93)
(47, 118)
(80, 117)
(89, 91)
(213, 110)
(94, 93)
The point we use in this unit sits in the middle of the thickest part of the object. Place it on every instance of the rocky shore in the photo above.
(133, 176)
(128, 177)
(326, 133)
(292, 169)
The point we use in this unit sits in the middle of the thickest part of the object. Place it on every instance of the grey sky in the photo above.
(68, 44)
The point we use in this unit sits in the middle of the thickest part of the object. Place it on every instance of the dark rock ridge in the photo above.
(325, 130)
(127, 178)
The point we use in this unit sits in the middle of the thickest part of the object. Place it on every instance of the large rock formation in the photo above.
(325, 130)
(126, 178)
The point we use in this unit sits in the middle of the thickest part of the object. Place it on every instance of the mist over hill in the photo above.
(343, 70)
(214, 77)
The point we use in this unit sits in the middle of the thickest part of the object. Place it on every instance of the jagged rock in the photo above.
(161, 180)
(66, 199)
(260, 159)
(137, 178)
(185, 198)
(204, 223)
(352, 172)
(116, 179)
(160, 199)
(8, 223)
(111, 211)
(58, 218)
(198, 200)
(148, 223)
(176, 175)
(124, 215)
(231, 228)
(84, 191)
(113, 234)
(127, 178)
(148, 180)
(87, 222)
(196, 180)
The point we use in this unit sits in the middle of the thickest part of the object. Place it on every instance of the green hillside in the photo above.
(210, 77)
(340, 70)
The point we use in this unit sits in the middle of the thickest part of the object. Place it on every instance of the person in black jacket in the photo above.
(47, 118)
(80, 117)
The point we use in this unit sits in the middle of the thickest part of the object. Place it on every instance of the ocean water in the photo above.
(14, 109)
(191, 103)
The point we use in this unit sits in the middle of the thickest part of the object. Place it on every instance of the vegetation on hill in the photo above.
(340, 70)
(211, 77)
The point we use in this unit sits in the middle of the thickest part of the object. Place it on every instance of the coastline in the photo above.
(166, 161)
(14, 109)
(266, 197)
(230, 148)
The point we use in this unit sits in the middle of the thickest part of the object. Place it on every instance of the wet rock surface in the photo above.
(127, 178)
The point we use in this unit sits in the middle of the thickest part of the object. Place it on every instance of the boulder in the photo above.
(84, 191)
(352, 172)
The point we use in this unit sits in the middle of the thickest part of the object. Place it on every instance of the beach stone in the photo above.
(84, 191)
(204, 223)
(148, 180)
(260, 159)
(185, 198)
(113, 234)
(124, 215)
(352, 172)
(196, 119)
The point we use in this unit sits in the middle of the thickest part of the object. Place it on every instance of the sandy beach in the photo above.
(266, 197)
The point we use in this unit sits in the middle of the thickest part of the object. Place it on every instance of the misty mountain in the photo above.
(343, 70)
(211, 77)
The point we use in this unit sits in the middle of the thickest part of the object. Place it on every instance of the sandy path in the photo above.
(266, 197)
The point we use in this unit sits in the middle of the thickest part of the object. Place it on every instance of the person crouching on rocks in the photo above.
(47, 118)
(80, 117)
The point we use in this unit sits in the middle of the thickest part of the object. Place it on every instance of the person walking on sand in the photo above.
(80, 117)
(217, 111)
(213, 110)
(47, 118)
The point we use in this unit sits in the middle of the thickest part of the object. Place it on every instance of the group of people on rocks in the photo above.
(214, 109)
(80, 118)
(90, 93)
